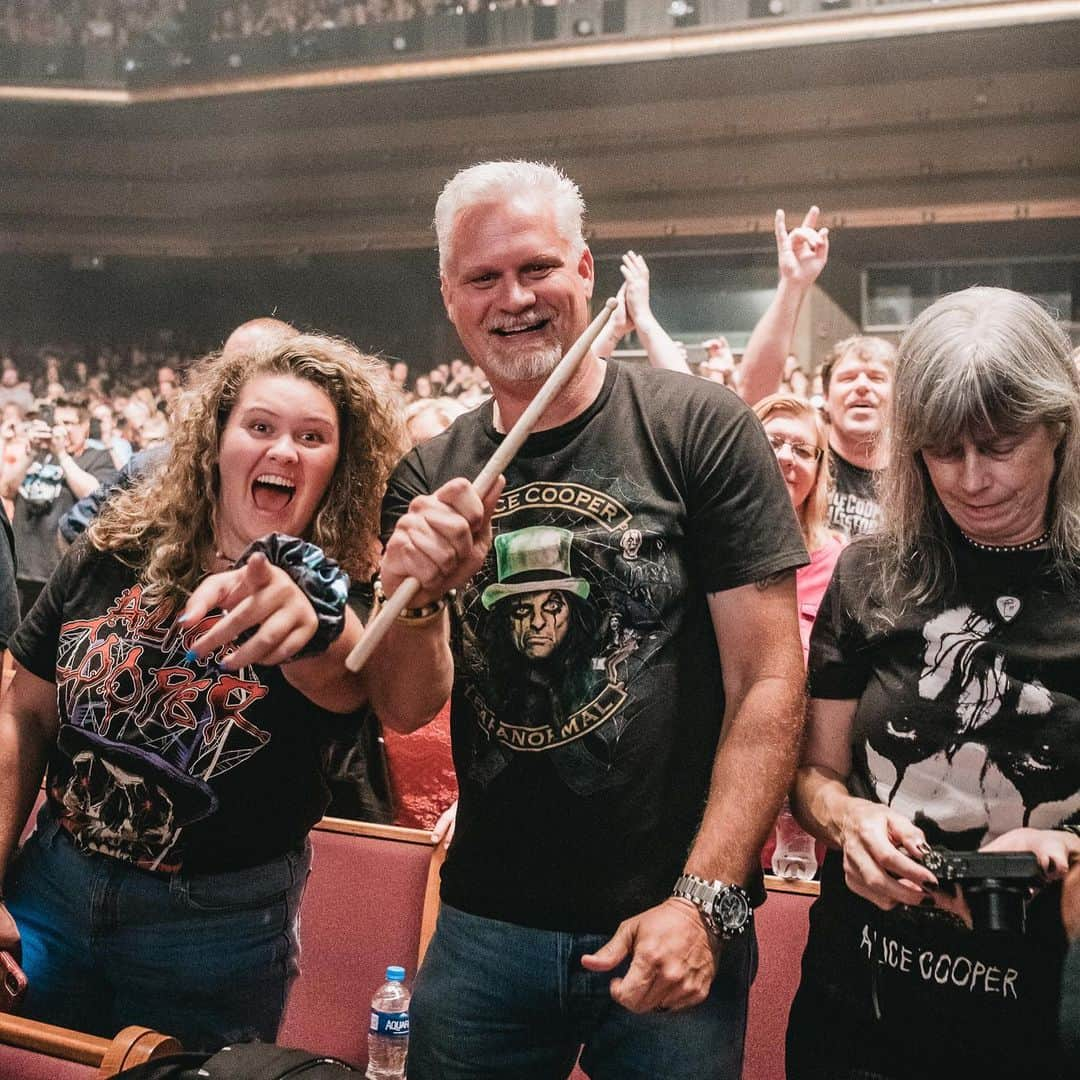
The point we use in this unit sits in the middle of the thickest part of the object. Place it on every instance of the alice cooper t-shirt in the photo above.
(588, 699)
(159, 761)
(853, 504)
(968, 724)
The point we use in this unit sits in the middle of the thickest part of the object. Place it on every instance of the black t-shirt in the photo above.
(42, 500)
(853, 505)
(162, 762)
(588, 697)
(968, 723)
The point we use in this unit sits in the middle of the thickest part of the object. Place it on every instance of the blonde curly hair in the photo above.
(163, 526)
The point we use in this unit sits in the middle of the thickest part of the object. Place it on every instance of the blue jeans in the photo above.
(205, 957)
(495, 1000)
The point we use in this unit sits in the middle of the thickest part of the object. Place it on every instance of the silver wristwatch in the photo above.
(725, 909)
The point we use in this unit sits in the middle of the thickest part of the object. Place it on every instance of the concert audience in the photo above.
(178, 23)
(50, 467)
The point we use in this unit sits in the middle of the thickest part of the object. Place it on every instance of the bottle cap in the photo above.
(395, 974)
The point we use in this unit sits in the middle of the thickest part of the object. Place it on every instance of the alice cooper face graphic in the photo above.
(539, 622)
(980, 751)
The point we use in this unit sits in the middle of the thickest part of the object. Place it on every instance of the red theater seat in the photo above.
(782, 926)
(30, 1050)
(371, 901)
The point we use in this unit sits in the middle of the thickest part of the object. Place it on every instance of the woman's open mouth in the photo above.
(271, 492)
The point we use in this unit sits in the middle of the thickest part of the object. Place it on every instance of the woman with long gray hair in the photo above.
(944, 680)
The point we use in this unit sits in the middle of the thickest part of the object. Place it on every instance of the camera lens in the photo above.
(996, 905)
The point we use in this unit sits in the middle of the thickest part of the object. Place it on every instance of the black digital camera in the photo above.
(996, 884)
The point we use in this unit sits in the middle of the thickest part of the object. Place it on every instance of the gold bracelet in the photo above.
(413, 615)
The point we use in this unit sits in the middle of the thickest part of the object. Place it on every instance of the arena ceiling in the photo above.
(958, 137)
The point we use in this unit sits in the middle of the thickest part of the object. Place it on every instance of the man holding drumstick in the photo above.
(626, 675)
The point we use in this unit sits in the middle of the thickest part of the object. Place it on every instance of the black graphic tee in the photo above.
(853, 505)
(158, 761)
(588, 699)
(43, 499)
(968, 723)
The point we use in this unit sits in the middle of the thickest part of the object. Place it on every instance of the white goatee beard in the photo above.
(531, 366)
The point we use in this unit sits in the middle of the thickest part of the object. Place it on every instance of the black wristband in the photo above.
(320, 579)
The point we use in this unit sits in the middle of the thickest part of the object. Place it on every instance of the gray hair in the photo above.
(499, 181)
(975, 362)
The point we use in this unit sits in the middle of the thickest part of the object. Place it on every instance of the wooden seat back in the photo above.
(371, 901)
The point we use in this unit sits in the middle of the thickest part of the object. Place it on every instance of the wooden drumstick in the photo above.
(395, 604)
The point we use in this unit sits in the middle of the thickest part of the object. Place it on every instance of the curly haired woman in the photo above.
(175, 684)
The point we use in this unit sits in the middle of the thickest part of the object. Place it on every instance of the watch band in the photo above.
(708, 896)
(697, 890)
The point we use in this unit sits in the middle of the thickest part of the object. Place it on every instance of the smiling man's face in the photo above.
(515, 290)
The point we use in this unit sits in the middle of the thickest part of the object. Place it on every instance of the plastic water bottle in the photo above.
(388, 1033)
(794, 858)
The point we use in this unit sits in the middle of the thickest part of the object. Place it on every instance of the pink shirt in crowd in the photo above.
(811, 582)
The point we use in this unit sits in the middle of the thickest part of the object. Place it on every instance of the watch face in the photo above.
(731, 910)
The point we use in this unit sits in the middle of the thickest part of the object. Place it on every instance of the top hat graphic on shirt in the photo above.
(531, 560)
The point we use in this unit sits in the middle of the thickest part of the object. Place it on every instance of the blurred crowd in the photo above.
(177, 23)
(128, 393)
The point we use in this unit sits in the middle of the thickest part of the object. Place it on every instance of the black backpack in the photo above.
(245, 1061)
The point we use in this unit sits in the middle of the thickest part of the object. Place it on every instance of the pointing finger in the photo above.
(780, 228)
(212, 593)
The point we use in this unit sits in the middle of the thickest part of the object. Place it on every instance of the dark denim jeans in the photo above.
(493, 1000)
(205, 957)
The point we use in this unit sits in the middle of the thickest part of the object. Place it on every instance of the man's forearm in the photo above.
(762, 365)
(661, 350)
(411, 673)
(751, 774)
(79, 480)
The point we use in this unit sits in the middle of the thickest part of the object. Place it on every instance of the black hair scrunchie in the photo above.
(320, 579)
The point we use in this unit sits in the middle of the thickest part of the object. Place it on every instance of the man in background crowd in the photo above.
(51, 469)
(857, 378)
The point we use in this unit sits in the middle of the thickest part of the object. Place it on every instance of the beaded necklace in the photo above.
(998, 549)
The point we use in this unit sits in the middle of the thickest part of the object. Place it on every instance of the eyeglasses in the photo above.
(800, 451)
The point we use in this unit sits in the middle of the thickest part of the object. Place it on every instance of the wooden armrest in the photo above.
(132, 1046)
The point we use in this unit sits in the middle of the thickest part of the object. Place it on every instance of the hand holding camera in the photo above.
(39, 435)
(58, 440)
(996, 885)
